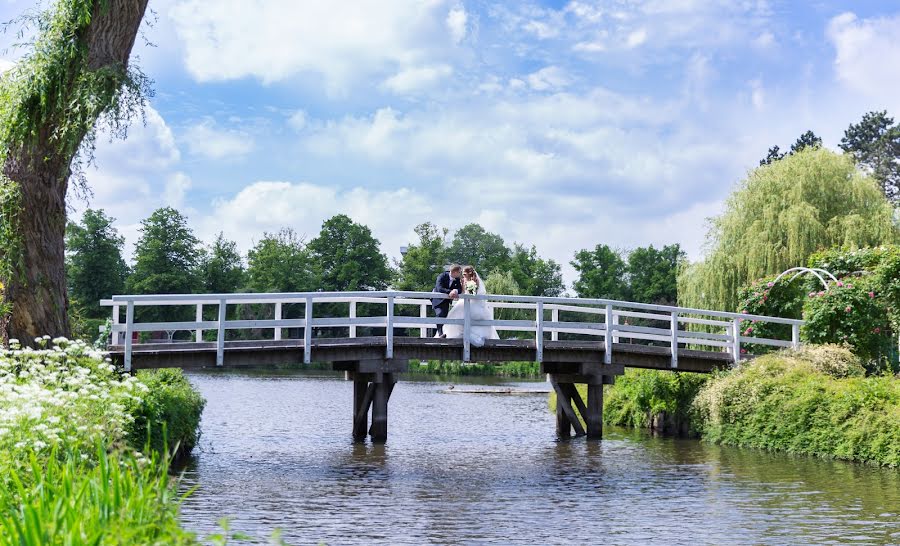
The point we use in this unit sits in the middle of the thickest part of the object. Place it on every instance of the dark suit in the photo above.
(444, 284)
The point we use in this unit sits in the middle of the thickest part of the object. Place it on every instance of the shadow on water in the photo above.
(462, 468)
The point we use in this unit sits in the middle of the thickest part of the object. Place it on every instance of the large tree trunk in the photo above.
(37, 288)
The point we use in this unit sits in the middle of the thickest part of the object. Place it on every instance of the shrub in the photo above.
(769, 298)
(168, 415)
(648, 398)
(851, 312)
(782, 402)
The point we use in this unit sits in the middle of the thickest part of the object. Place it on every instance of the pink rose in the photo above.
(748, 331)
(812, 294)
(849, 286)
(871, 294)
(848, 309)
(820, 293)
(877, 330)
(743, 351)
(744, 311)
(840, 284)
(771, 284)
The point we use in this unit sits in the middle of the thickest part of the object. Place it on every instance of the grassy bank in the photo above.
(73, 463)
(529, 370)
(814, 401)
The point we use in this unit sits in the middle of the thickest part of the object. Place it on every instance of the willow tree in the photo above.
(73, 75)
(781, 214)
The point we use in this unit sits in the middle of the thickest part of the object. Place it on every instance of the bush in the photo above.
(768, 298)
(652, 398)
(168, 415)
(782, 401)
(851, 313)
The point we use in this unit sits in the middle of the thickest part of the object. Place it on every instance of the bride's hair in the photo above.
(469, 270)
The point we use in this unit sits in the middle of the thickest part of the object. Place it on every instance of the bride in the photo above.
(480, 310)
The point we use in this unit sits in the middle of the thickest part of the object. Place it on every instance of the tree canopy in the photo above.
(221, 267)
(423, 260)
(348, 257)
(95, 268)
(280, 262)
(778, 216)
(601, 273)
(534, 275)
(807, 140)
(166, 256)
(874, 143)
(473, 245)
(653, 274)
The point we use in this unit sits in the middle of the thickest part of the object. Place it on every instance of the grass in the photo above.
(448, 367)
(71, 426)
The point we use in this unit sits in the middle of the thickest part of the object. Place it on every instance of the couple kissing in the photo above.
(457, 280)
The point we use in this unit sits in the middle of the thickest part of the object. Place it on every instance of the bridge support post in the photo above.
(373, 383)
(573, 411)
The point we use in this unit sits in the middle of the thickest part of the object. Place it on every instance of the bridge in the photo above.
(372, 337)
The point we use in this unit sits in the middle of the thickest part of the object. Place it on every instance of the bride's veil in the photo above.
(481, 291)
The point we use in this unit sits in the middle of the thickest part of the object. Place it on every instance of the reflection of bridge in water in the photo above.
(575, 340)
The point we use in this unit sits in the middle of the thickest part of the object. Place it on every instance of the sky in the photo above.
(562, 124)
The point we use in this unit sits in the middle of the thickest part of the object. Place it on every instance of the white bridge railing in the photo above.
(608, 320)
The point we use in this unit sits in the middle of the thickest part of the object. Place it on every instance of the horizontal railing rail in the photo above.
(607, 320)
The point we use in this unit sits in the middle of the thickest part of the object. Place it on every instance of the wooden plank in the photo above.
(576, 398)
(563, 425)
(363, 392)
(562, 399)
(594, 417)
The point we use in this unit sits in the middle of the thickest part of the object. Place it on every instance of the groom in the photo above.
(447, 283)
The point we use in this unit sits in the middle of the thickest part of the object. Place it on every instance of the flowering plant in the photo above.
(471, 287)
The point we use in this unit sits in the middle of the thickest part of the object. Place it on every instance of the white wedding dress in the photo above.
(480, 310)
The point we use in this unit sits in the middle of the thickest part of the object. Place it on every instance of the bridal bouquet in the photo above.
(471, 287)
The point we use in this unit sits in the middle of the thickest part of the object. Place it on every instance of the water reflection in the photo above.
(276, 452)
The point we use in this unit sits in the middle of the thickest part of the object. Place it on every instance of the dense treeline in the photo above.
(344, 256)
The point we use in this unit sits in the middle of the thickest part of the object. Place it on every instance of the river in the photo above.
(459, 468)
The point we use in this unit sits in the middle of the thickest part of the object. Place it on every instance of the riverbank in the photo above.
(85, 450)
(815, 401)
(524, 370)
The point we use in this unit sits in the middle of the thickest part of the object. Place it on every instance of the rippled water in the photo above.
(458, 468)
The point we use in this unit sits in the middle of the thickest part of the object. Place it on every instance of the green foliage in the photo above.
(851, 312)
(168, 415)
(221, 267)
(424, 260)
(473, 245)
(640, 397)
(783, 402)
(653, 274)
(806, 140)
(348, 257)
(95, 268)
(534, 275)
(109, 498)
(768, 298)
(601, 274)
(280, 262)
(874, 143)
(166, 256)
(779, 216)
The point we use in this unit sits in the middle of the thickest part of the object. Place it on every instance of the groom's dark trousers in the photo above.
(445, 284)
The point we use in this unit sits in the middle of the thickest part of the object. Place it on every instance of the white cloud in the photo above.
(298, 120)
(417, 79)
(176, 187)
(457, 20)
(549, 78)
(867, 58)
(267, 206)
(205, 139)
(757, 95)
(342, 43)
(636, 38)
(766, 40)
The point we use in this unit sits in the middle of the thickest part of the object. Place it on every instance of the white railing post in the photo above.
(277, 335)
(467, 328)
(115, 322)
(423, 313)
(539, 332)
(615, 321)
(307, 331)
(352, 316)
(389, 332)
(608, 338)
(220, 334)
(554, 316)
(198, 333)
(736, 342)
(795, 336)
(129, 328)
(674, 339)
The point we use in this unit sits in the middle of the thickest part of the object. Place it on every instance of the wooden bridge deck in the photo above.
(192, 355)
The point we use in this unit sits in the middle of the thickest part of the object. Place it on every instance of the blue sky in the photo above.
(559, 124)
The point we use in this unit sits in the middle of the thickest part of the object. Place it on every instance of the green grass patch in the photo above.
(450, 367)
